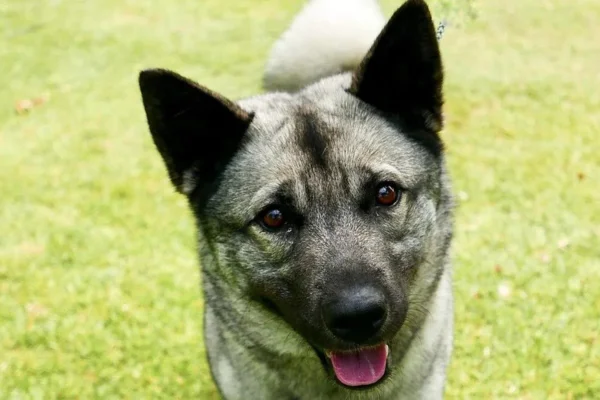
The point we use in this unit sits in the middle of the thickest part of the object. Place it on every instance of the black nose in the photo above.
(355, 315)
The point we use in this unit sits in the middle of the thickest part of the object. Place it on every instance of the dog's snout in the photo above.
(355, 315)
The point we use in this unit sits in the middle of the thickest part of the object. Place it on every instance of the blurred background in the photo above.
(99, 280)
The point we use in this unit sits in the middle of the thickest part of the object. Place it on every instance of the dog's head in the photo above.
(328, 206)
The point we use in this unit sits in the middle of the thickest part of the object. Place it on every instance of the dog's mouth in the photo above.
(359, 368)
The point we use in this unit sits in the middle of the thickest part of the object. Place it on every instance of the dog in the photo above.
(324, 215)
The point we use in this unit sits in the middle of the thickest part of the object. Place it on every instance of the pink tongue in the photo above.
(363, 367)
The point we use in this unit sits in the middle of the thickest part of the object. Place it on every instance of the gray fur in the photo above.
(317, 153)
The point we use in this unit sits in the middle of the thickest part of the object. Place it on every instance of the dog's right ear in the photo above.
(195, 130)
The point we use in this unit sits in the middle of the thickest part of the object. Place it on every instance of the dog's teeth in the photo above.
(387, 350)
(328, 353)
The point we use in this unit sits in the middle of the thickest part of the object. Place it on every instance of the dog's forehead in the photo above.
(323, 125)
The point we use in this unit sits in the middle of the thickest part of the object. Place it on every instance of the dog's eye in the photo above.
(272, 218)
(387, 194)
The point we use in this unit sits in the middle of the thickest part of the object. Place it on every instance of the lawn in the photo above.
(99, 282)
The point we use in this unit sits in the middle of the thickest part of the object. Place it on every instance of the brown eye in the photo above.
(387, 194)
(272, 218)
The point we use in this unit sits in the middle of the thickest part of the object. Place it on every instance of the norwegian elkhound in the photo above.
(323, 209)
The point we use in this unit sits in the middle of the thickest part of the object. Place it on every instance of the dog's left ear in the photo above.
(402, 73)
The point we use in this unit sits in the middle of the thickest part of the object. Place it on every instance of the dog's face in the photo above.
(322, 205)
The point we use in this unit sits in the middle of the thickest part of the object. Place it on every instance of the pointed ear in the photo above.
(402, 72)
(195, 130)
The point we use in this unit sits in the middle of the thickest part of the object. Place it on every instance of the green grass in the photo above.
(99, 284)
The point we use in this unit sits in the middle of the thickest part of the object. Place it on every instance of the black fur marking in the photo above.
(311, 138)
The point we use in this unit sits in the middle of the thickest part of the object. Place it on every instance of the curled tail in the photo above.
(327, 37)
